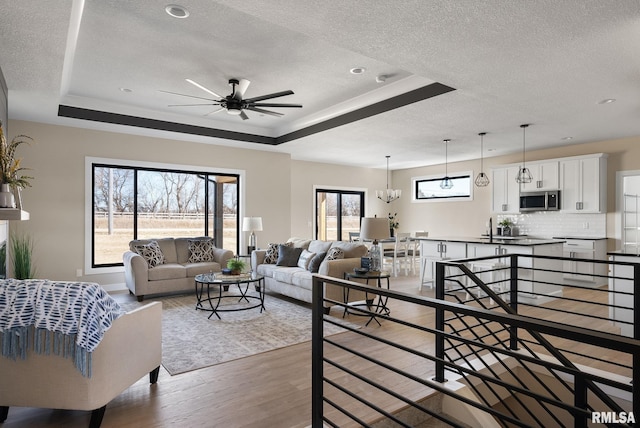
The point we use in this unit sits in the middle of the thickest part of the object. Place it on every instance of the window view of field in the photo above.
(164, 204)
(338, 214)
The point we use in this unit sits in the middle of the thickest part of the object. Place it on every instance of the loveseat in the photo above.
(293, 277)
(107, 349)
(154, 266)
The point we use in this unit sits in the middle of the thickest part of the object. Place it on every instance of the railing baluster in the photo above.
(439, 345)
(513, 298)
(317, 372)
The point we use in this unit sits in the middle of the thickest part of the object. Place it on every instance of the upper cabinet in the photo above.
(546, 176)
(582, 181)
(506, 191)
(583, 184)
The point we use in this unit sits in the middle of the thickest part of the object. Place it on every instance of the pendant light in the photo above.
(482, 180)
(524, 175)
(388, 195)
(446, 182)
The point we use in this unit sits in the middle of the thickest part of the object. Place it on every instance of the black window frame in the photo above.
(339, 192)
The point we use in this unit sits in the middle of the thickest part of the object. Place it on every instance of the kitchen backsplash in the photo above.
(547, 224)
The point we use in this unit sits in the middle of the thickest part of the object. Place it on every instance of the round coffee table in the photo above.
(208, 299)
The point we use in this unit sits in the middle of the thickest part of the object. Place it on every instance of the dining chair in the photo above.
(354, 236)
(396, 253)
(414, 249)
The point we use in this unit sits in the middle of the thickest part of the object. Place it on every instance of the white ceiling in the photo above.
(544, 62)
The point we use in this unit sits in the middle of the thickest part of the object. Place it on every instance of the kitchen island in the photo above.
(535, 286)
(622, 290)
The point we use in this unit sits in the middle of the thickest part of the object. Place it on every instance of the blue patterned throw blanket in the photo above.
(63, 318)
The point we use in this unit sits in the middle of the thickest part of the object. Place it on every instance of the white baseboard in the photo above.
(116, 288)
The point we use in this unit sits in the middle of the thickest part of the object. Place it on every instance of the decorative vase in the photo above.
(391, 232)
(6, 197)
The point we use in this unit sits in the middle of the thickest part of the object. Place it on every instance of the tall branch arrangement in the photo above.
(10, 169)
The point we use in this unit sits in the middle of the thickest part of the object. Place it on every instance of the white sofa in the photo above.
(296, 282)
(129, 349)
(176, 273)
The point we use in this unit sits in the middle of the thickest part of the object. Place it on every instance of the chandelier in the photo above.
(388, 195)
(482, 180)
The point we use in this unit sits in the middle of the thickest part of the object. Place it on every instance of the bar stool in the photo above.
(430, 261)
(497, 275)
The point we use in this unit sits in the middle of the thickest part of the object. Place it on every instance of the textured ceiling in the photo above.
(547, 63)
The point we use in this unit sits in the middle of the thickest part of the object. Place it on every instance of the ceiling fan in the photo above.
(234, 103)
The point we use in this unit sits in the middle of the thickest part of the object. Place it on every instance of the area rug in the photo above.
(190, 340)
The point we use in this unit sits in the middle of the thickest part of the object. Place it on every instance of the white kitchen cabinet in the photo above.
(505, 190)
(588, 249)
(546, 176)
(583, 182)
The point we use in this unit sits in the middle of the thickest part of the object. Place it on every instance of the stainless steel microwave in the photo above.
(540, 201)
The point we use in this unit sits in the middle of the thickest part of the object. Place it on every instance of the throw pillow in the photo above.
(288, 256)
(305, 258)
(151, 253)
(316, 261)
(335, 254)
(271, 256)
(200, 250)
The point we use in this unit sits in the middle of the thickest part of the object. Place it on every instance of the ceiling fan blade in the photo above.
(192, 105)
(269, 112)
(269, 96)
(216, 111)
(243, 115)
(241, 88)
(185, 95)
(197, 85)
(274, 105)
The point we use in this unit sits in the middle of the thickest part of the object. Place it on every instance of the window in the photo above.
(132, 202)
(428, 188)
(338, 212)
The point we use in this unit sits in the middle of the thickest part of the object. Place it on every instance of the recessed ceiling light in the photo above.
(358, 70)
(567, 138)
(176, 11)
(126, 90)
(607, 101)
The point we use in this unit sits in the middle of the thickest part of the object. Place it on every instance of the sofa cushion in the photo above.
(182, 247)
(266, 269)
(285, 274)
(302, 279)
(151, 252)
(318, 246)
(194, 269)
(314, 264)
(271, 257)
(167, 246)
(305, 258)
(288, 256)
(167, 271)
(200, 250)
(299, 242)
(335, 254)
(351, 249)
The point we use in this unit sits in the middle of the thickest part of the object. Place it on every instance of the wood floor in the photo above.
(272, 389)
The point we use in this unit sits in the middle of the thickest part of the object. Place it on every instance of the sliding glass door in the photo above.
(338, 212)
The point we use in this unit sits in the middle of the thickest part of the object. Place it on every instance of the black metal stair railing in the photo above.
(524, 370)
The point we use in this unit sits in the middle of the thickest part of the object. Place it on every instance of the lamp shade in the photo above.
(374, 228)
(251, 224)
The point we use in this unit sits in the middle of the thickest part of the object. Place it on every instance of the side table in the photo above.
(375, 306)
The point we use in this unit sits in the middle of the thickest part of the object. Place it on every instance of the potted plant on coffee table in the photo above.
(236, 266)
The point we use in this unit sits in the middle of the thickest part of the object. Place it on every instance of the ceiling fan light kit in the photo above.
(524, 175)
(388, 195)
(234, 104)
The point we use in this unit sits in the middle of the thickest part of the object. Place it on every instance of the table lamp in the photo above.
(374, 229)
(252, 224)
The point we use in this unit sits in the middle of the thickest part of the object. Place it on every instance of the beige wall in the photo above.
(57, 206)
(56, 201)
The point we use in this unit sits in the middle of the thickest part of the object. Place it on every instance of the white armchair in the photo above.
(131, 348)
